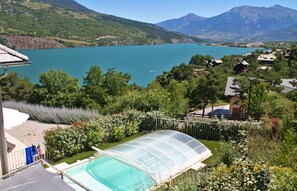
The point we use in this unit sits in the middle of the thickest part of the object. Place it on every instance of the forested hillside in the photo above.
(67, 4)
(78, 28)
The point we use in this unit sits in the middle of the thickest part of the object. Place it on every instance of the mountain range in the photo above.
(244, 23)
(63, 23)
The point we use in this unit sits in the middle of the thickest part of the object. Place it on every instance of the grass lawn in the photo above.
(83, 155)
(214, 147)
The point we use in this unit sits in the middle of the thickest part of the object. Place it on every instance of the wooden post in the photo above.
(3, 147)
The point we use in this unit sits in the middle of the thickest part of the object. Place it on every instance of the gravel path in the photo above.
(31, 132)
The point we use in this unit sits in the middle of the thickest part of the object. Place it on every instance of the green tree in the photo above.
(200, 59)
(279, 106)
(178, 73)
(252, 58)
(258, 97)
(100, 89)
(206, 91)
(56, 88)
(231, 60)
(15, 88)
(257, 90)
(293, 97)
(293, 68)
(280, 65)
(94, 94)
(177, 103)
(146, 100)
(271, 77)
(115, 83)
(293, 54)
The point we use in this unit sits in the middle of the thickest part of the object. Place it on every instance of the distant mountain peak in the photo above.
(277, 6)
(175, 24)
(236, 23)
(191, 15)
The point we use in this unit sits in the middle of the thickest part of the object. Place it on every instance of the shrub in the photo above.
(283, 179)
(82, 135)
(95, 134)
(242, 175)
(228, 153)
(117, 133)
(131, 128)
(122, 125)
(246, 175)
(287, 154)
(66, 142)
(53, 114)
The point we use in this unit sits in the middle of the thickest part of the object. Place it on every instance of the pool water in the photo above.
(106, 174)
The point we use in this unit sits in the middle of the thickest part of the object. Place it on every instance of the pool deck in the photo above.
(63, 166)
(198, 166)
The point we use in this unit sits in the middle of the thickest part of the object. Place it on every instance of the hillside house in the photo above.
(241, 66)
(233, 97)
(213, 63)
(287, 53)
(288, 86)
(266, 58)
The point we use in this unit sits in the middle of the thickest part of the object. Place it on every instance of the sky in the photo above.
(153, 11)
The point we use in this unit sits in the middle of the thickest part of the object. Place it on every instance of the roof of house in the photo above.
(245, 63)
(217, 61)
(287, 85)
(8, 55)
(231, 86)
(34, 178)
(266, 57)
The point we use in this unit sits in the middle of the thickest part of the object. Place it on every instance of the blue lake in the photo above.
(144, 63)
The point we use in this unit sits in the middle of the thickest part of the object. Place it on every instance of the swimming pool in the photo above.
(106, 174)
(139, 164)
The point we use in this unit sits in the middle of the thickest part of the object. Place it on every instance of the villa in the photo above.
(266, 58)
(213, 63)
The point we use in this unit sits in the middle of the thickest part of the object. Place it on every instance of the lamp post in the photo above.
(8, 58)
(251, 79)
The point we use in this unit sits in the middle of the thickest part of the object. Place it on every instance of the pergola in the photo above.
(8, 58)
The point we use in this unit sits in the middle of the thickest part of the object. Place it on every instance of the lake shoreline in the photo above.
(137, 60)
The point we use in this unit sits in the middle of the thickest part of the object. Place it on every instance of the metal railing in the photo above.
(17, 159)
(197, 128)
(233, 116)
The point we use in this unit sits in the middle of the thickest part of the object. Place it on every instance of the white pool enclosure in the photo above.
(162, 155)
